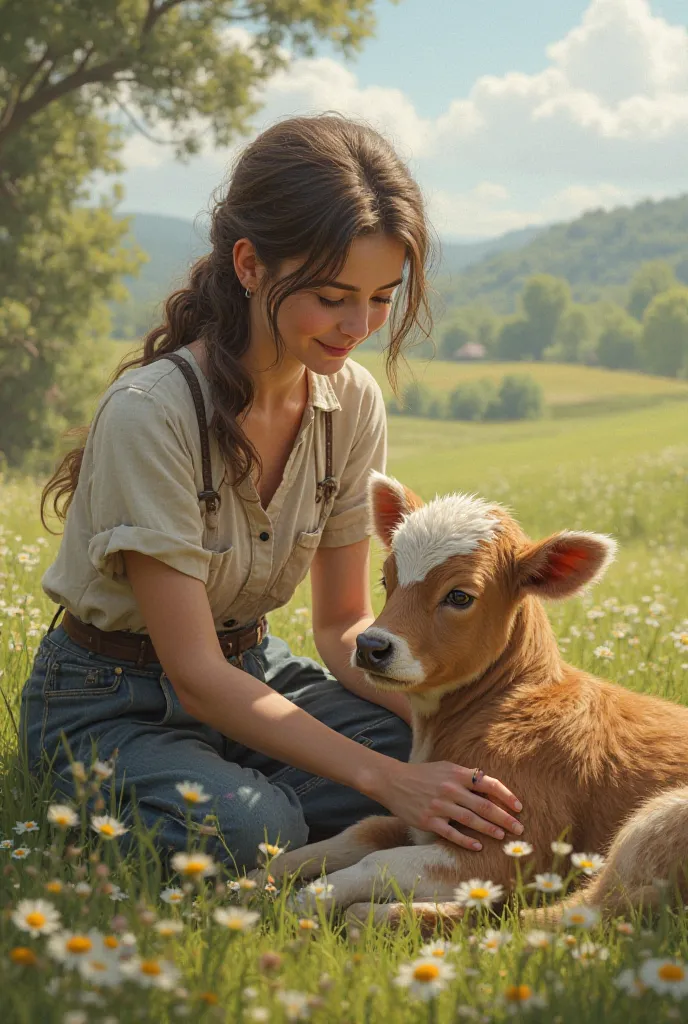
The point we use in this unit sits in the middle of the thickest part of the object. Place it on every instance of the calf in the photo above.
(465, 636)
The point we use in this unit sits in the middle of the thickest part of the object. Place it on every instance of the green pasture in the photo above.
(623, 473)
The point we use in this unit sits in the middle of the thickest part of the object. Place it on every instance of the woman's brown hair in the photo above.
(306, 187)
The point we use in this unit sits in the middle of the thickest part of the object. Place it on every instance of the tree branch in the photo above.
(139, 127)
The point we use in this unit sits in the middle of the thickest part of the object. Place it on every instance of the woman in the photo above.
(176, 547)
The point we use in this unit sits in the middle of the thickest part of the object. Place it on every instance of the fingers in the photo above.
(491, 812)
(494, 788)
(464, 816)
(445, 830)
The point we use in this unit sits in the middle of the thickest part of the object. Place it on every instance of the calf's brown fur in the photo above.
(602, 765)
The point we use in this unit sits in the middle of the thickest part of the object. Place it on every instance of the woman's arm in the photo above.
(341, 610)
(178, 618)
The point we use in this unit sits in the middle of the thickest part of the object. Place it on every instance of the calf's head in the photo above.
(456, 571)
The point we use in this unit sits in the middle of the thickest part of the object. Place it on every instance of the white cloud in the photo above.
(605, 123)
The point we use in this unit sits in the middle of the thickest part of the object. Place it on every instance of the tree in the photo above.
(665, 333)
(618, 345)
(74, 77)
(572, 336)
(544, 300)
(650, 280)
(454, 338)
(470, 401)
(520, 397)
(513, 340)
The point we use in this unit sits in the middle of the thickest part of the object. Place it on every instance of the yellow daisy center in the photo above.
(547, 885)
(481, 893)
(585, 864)
(271, 849)
(106, 829)
(426, 972)
(306, 925)
(194, 867)
(20, 853)
(97, 965)
(209, 997)
(53, 886)
(518, 993)
(111, 942)
(78, 944)
(438, 952)
(671, 972)
(23, 955)
(517, 849)
(35, 919)
(577, 918)
(150, 967)
(191, 797)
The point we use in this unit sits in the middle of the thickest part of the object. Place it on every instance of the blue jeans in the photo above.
(135, 714)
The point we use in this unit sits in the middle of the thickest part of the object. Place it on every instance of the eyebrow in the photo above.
(352, 288)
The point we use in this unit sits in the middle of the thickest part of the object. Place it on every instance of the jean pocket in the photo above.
(82, 679)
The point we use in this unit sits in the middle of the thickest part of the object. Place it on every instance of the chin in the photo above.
(389, 683)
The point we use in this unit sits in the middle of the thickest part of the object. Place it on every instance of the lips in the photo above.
(334, 348)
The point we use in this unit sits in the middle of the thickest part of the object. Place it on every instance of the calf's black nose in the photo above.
(372, 652)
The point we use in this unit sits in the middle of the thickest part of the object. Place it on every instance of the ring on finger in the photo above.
(477, 776)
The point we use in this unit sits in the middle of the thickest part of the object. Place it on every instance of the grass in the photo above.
(626, 474)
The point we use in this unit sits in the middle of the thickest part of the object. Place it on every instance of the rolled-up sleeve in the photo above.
(142, 492)
(349, 521)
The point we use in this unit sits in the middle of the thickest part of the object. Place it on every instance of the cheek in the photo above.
(304, 315)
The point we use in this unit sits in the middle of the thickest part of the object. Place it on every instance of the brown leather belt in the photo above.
(138, 647)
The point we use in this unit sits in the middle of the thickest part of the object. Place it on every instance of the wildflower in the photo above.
(665, 976)
(100, 969)
(307, 924)
(547, 882)
(517, 997)
(23, 956)
(54, 886)
(62, 815)
(102, 769)
(581, 916)
(172, 894)
(493, 940)
(516, 849)
(193, 792)
(625, 928)
(269, 961)
(83, 889)
(629, 983)
(168, 927)
(476, 893)
(194, 865)
(424, 978)
(561, 849)
(589, 863)
(269, 850)
(680, 641)
(69, 947)
(538, 939)
(236, 919)
(78, 771)
(38, 917)
(295, 1004)
(108, 827)
(243, 883)
(588, 951)
(150, 972)
(26, 826)
(6, 844)
(115, 892)
(21, 853)
(259, 1014)
(439, 948)
(320, 888)
(604, 652)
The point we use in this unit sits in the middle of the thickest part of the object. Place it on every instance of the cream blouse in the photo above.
(138, 490)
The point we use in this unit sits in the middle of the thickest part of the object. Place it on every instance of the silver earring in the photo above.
(247, 293)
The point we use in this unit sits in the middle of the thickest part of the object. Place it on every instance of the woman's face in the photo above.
(320, 327)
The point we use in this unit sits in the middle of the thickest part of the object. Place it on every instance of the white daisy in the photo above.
(107, 827)
(589, 863)
(21, 853)
(589, 951)
(151, 972)
(270, 850)
(69, 947)
(440, 948)
(604, 652)
(665, 976)
(320, 888)
(193, 792)
(518, 997)
(236, 919)
(476, 893)
(561, 849)
(100, 970)
(425, 978)
(172, 894)
(296, 1004)
(307, 924)
(194, 865)
(538, 939)
(580, 916)
(102, 769)
(629, 983)
(243, 883)
(517, 849)
(37, 917)
(62, 815)
(168, 926)
(547, 882)
(6, 844)
(493, 940)
(26, 826)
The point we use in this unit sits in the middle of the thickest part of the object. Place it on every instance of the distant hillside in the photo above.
(597, 253)
(456, 256)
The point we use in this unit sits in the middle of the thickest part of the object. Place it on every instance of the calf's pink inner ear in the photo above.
(562, 565)
(389, 502)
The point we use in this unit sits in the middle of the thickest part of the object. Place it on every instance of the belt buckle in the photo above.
(260, 632)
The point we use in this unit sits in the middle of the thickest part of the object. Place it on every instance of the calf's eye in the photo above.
(459, 599)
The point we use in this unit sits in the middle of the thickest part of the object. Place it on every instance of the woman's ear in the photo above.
(388, 502)
(563, 565)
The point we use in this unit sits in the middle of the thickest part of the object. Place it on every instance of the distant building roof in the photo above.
(471, 350)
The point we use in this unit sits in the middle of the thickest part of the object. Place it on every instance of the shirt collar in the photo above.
(321, 393)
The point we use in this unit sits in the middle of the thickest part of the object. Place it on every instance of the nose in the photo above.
(356, 325)
(372, 652)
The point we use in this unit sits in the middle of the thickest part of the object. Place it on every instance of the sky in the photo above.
(509, 113)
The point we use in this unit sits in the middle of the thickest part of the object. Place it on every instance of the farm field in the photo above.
(623, 473)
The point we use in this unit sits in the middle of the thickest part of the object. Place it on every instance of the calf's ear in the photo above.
(563, 565)
(388, 502)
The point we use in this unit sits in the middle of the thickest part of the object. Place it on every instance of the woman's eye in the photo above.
(459, 599)
(339, 302)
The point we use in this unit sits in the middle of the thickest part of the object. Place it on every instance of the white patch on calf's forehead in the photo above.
(455, 524)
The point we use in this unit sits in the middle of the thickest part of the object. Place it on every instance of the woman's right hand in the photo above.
(431, 794)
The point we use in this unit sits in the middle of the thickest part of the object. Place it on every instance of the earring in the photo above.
(247, 293)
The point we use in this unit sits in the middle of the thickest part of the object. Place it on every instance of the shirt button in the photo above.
(265, 535)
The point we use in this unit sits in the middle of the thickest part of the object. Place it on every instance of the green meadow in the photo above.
(135, 944)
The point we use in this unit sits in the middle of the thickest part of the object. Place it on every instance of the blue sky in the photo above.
(509, 112)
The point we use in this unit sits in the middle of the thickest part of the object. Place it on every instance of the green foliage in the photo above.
(572, 338)
(650, 280)
(665, 333)
(618, 344)
(64, 69)
(470, 401)
(518, 397)
(513, 340)
(544, 300)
